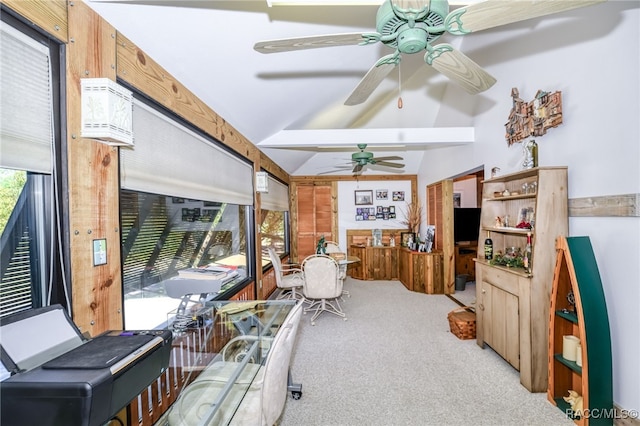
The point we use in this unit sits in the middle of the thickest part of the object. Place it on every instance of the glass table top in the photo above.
(217, 352)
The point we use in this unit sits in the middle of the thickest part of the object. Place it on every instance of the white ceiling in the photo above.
(291, 104)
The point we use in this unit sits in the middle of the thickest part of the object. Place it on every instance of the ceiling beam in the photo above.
(389, 137)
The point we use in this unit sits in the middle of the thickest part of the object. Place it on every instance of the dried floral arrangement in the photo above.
(413, 216)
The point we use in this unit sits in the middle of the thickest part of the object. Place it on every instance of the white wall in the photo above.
(598, 75)
(347, 207)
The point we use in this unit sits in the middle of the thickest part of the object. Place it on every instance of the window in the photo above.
(30, 275)
(195, 212)
(274, 223)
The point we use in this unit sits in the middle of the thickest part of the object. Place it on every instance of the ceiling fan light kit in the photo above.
(410, 30)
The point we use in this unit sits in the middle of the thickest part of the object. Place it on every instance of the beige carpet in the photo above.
(395, 362)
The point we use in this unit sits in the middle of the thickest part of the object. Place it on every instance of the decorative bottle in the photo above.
(526, 259)
(488, 247)
(530, 154)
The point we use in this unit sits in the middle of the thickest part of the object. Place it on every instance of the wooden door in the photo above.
(314, 218)
(440, 214)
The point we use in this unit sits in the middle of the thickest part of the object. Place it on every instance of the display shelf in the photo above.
(578, 308)
(571, 364)
(513, 303)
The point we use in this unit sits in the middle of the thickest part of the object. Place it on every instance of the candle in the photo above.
(579, 355)
(569, 345)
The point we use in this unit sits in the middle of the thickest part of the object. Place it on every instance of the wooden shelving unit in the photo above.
(576, 273)
(513, 303)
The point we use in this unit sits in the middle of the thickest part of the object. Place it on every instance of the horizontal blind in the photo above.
(26, 135)
(170, 159)
(277, 198)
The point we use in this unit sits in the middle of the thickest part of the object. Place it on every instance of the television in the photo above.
(466, 224)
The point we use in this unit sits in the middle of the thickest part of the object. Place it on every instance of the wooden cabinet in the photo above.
(464, 260)
(513, 303)
(577, 279)
(421, 272)
(376, 263)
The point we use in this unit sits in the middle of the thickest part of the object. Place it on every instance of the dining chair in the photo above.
(333, 247)
(289, 279)
(322, 285)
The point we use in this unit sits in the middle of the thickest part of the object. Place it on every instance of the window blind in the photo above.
(26, 134)
(170, 159)
(277, 198)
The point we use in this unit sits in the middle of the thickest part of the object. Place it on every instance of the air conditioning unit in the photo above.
(107, 110)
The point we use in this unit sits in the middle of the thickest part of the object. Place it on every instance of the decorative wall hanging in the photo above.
(533, 118)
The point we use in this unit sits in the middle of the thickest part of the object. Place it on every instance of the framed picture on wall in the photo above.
(398, 195)
(457, 199)
(382, 194)
(363, 197)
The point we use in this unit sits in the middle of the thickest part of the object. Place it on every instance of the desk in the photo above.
(214, 390)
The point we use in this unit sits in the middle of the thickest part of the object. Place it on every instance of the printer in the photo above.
(53, 375)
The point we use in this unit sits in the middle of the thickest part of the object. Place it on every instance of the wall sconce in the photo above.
(107, 110)
(262, 182)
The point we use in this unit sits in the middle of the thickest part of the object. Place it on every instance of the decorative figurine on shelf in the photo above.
(392, 240)
(321, 248)
(571, 298)
(575, 401)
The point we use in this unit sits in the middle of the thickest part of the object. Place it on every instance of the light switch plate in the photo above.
(100, 252)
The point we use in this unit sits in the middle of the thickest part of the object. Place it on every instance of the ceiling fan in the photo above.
(362, 158)
(408, 29)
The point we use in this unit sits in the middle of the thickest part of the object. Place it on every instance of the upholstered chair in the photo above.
(322, 285)
(333, 247)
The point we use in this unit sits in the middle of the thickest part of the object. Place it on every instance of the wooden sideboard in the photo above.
(376, 263)
(421, 272)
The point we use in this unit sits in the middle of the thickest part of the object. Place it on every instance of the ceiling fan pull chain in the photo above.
(400, 86)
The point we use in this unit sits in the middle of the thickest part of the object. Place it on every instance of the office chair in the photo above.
(288, 278)
(322, 285)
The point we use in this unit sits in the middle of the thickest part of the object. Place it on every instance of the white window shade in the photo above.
(26, 133)
(172, 160)
(277, 198)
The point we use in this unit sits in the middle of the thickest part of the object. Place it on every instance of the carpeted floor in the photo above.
(395, 362)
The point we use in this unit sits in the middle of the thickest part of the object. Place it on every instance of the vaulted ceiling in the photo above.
(291, 104)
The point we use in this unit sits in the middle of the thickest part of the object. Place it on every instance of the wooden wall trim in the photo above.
(50, 15)
(302, 179)
(93, 180)
(627, 205)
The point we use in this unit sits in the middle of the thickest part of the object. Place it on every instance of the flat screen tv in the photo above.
(466, 223)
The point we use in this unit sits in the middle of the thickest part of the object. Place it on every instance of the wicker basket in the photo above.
(462, 322)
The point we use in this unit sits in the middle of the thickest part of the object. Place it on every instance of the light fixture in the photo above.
(107, 110)
(262, 182)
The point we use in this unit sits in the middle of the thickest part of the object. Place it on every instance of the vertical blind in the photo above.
(170, 159)
(26, 135)
(277, 198)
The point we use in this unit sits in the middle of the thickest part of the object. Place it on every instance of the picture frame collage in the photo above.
(365, 197)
